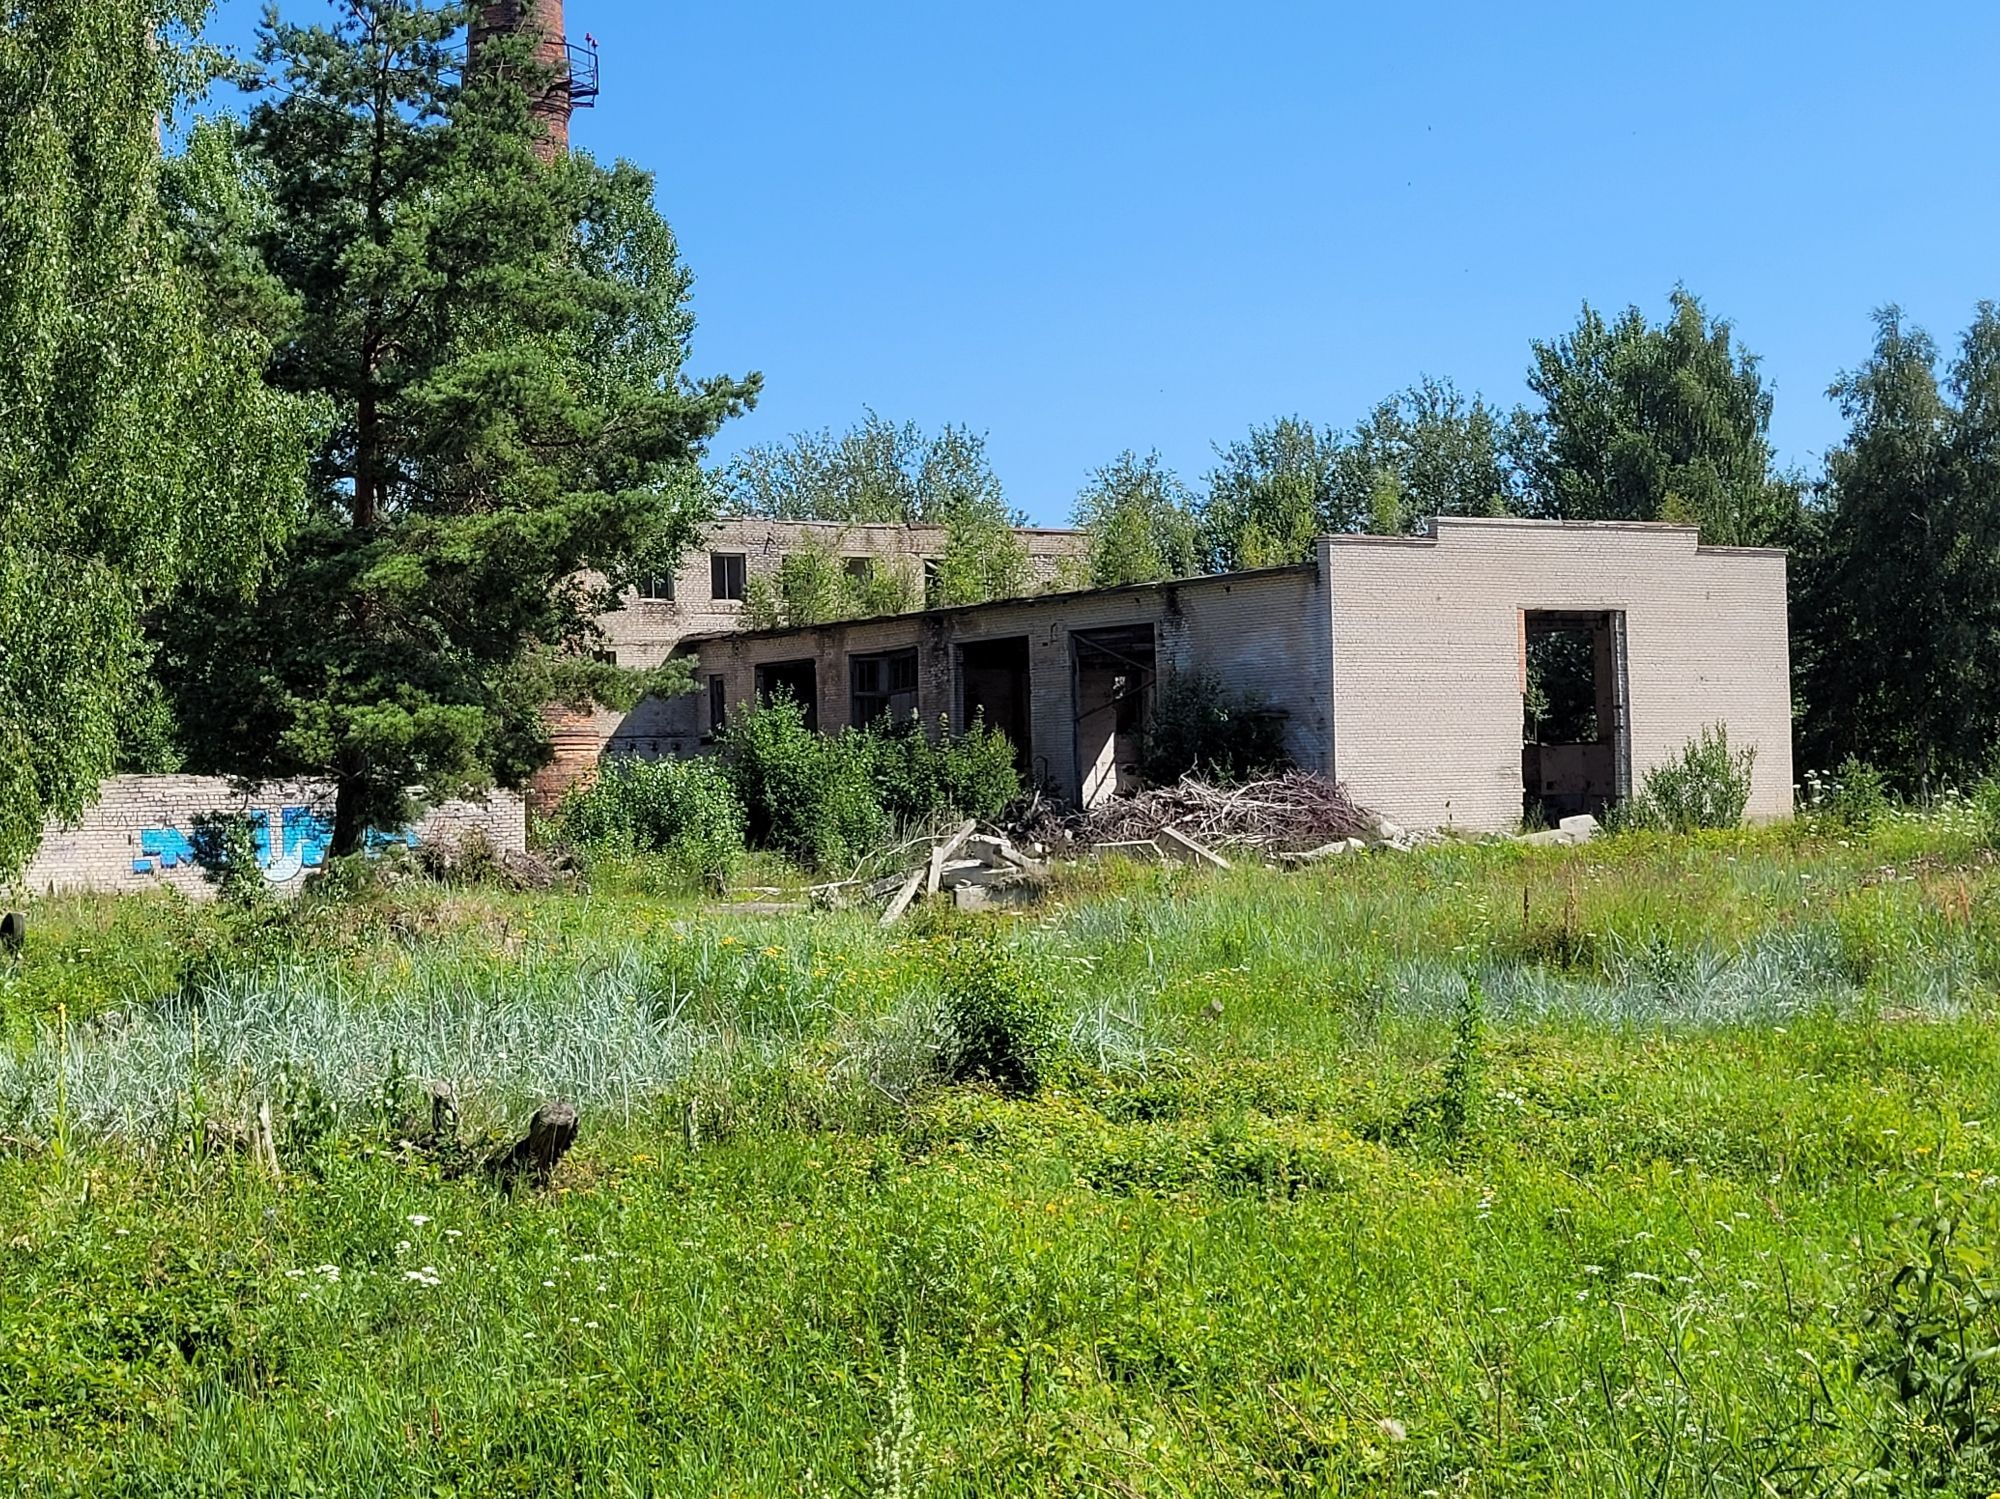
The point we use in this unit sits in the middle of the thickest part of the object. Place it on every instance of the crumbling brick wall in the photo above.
(140, 833)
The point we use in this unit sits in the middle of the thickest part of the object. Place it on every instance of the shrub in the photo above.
(803, 794)
(1200, 728)
(1001, 1019)
(1986, 809)
(1853, 798)
(685, 810)
(225, 850)
(1707, 787)
(919, 778)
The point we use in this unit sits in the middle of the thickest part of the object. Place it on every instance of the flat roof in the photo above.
(1199, 580)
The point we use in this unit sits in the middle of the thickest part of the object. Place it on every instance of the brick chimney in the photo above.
(541, 20)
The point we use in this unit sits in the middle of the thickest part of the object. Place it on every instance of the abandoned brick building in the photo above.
(1399, 665)
(706, 595)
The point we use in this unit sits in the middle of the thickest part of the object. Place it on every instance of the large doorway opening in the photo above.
(1113, 673)
(993, 685)
(798, 680)
(1575, 745)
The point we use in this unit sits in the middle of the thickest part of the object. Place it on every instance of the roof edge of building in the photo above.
(1200, 580)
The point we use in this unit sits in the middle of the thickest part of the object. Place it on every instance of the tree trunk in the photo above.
(350, 822)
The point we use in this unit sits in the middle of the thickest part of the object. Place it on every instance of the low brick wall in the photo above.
(140, 833)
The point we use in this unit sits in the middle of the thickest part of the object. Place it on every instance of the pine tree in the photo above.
(501, 339)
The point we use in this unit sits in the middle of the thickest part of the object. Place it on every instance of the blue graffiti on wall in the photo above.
(303, 836)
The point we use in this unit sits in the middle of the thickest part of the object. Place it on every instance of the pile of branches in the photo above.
(1279, 814)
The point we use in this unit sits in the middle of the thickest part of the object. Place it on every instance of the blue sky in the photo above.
(1087, 227)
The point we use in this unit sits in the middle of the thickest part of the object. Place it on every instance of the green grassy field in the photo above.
(1651, 1167)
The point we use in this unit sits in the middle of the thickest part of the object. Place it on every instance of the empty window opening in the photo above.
(860, 569)
(796, 680)
(1575, 750)
(718, 704)
(657, 587)
(726, 575)
(1113, 693)
(993, 688)
(882, 686)
(933, 582)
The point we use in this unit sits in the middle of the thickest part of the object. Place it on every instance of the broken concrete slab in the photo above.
(962, 872)
(1581, 829)
(1332, 850)
(941, 854)
(1008, 896)
(1547, 838)
(990, 848)
(912, 882)
(1177, 845)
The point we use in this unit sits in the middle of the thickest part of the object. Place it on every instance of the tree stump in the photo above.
(13, 932)
(536, 1154)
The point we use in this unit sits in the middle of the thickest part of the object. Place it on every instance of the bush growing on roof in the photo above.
(1198, 727)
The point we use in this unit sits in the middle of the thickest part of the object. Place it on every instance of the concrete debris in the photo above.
(978, 871)
(992, 848)
(1324, 851)
(912, 882)
(1177, 845)
(1571, 830)
(942, 852)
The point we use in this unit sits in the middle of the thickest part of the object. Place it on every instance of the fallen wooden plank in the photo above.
(941, 854)
(901, 902)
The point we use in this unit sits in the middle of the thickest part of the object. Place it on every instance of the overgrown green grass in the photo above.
(1480, 1170)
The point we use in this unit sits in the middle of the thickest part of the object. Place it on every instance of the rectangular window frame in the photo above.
(728, 576)
(882, 684)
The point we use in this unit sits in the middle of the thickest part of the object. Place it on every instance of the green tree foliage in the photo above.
(1643, 422)
(1425, 451)
(814, 585)
(1272, 492)
(1142, 522)
(878, 471)
(139, 449)
(886, 473)
(1898, 607)
(1199, 727)
(984, 558)
(501, 339)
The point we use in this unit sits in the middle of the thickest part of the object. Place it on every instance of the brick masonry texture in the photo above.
(1397, 662)
(138, 835)
(1427, 656)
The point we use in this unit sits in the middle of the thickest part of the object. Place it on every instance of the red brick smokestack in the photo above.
(542, 21)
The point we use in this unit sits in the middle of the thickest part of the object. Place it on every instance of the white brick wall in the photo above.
(1427, 656)
(1397, 661)
(138, 835)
